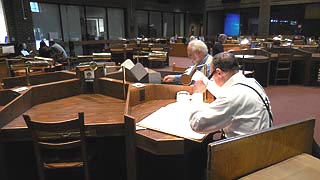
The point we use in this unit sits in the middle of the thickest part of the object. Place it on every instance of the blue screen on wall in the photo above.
(232, 24)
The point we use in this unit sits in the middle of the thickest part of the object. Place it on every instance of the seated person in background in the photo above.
(57, 52)
(44, 50)
(23, 49)
(173, 39)
(198, 53)
(238, 109)
(218, 45)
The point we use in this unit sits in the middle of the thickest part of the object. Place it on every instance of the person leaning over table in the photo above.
(238, 109)
(57, 52)
(198, 53)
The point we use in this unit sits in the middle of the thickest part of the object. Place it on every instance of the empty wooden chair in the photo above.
(59, 145)
(118, 53)
(283, 68)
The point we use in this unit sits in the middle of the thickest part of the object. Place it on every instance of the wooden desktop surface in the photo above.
(253, 58)
(98, 109)
(104, 114)
(303, 166)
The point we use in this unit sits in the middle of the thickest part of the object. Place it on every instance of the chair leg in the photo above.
(276, 74)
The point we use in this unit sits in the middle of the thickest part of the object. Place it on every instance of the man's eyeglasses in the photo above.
(212, 73)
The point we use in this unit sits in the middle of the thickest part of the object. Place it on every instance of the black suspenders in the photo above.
(265, 101)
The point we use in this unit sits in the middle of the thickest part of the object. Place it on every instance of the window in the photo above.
(71, 26)
(96, 23)
(232, 24)
(142, 23)
(168, 25)
(116, 23)
(46, 24)
(34, 6)
(155, 24)
(3, 31)
(179, 24)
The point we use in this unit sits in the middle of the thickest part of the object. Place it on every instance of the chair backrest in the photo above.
(178, 69)
(59, 144)
(235, 157)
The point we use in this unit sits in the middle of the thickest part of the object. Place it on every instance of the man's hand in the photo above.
(169, 78)
(199, 86)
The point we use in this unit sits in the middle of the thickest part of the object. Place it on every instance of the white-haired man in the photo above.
(198, 53)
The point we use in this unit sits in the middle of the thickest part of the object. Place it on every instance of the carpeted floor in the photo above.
(289, 103)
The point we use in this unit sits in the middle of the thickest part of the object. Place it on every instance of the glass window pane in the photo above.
(71, 26)
(179, 24)
(46, 23)
(96, 23)
(34, 6)
(116, 23)
(168, 25)
(155, 24)
(142, 23)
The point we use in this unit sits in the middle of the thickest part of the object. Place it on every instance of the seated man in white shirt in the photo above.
(241, 104)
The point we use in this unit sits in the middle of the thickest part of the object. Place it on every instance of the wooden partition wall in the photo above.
(239, 156)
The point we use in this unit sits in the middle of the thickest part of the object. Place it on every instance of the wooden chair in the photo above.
(59, 145)
(283, 68)
(233, 158)
(118, 53)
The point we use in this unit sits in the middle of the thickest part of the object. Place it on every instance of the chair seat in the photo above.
(62, 165)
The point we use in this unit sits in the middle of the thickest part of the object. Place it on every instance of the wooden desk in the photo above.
(36, 79)
(54, 101)
(261, 66)
(303, 166)
(4, 71)
(99, 120)
(103, 119)
(314, 69)
(188, 156)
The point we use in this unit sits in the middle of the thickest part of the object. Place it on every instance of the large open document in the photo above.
(173, 119)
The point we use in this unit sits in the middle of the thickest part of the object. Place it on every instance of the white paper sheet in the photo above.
(172, 119)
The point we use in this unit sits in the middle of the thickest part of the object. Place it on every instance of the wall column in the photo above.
(131, 19)
(264, 17)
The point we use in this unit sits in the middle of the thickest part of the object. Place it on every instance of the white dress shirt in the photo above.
(237, 110)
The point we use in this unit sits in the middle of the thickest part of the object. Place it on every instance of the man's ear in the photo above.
(219, 71)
